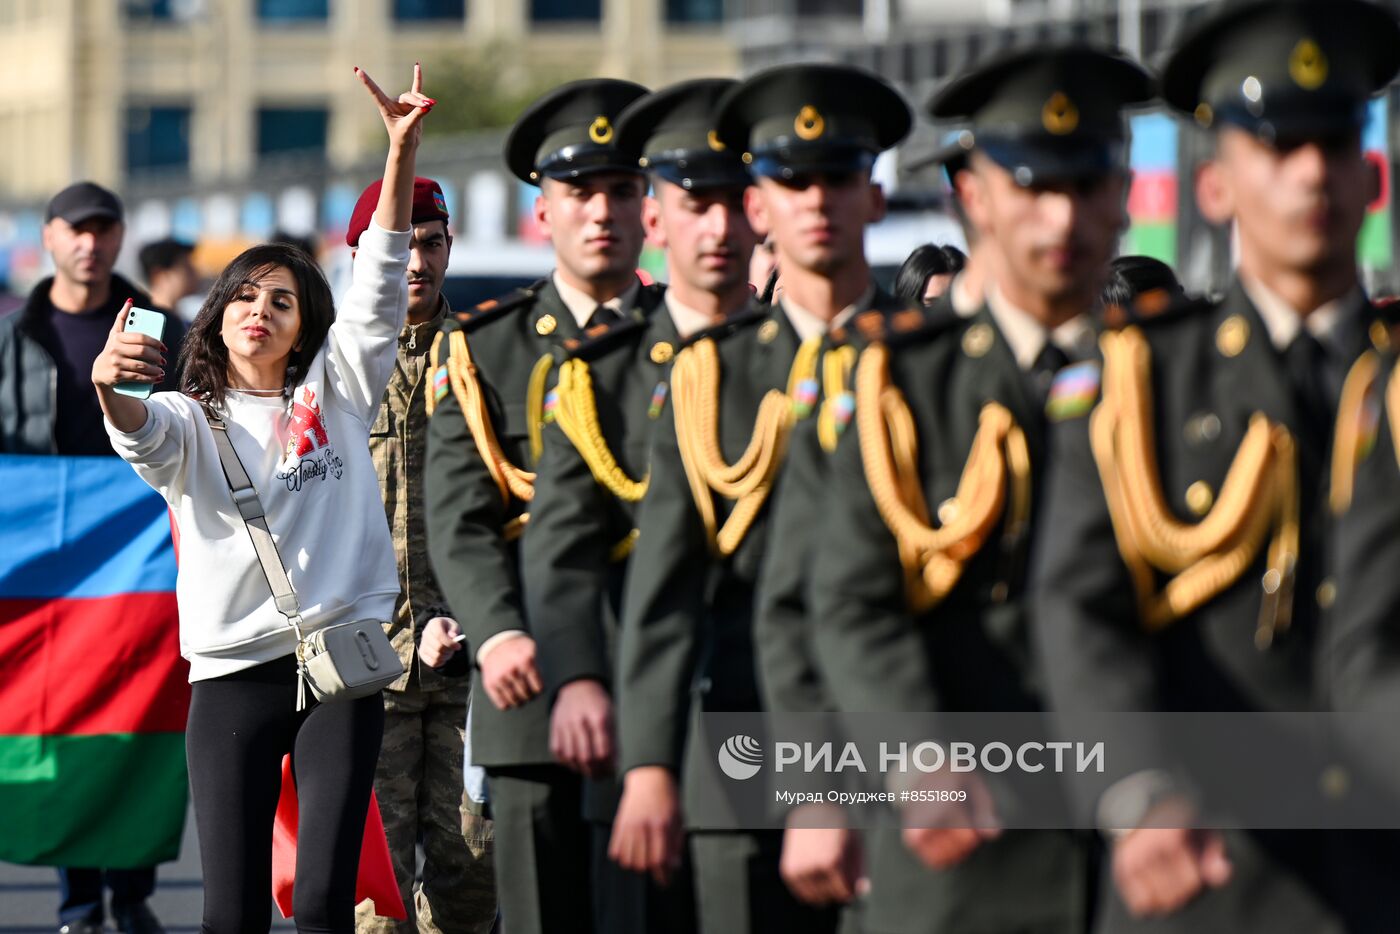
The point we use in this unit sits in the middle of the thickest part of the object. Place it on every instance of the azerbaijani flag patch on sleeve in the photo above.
(440, 383)
(1073, 392)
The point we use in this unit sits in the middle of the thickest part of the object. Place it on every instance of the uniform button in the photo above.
(1335, 782)
(1326, 594)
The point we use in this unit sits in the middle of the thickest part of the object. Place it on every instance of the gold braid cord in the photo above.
(511, 480)
(1259, 495)
(1346, 445)
(577, 415)
(933, 558)
(1392, 404)
(695, 384)
(837, 365)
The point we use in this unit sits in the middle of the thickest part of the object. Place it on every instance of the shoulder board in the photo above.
(752, 316)
(599, 339)
(494, 308)
(1151, 309)
(904, 330)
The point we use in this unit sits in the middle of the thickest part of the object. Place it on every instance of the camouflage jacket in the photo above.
(398, 444)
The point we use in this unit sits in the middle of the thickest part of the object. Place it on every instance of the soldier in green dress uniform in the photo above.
(919, 585)
(489, 394)
(1182, 564)
(810, 134)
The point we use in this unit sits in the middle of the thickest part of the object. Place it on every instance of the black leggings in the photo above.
(240, 726)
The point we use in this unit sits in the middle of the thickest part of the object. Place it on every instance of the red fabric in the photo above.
(428, 205)
(94, 665)
(376, 879)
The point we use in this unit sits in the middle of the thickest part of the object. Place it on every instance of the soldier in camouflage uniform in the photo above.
(419, 779)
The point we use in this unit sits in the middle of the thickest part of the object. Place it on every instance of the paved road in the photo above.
(29, 895)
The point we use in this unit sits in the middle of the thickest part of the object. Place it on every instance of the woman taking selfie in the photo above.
(293, 386)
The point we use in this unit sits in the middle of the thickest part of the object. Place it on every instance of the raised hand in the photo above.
(403, 118)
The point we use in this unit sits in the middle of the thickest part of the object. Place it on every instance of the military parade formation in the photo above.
(645, 503)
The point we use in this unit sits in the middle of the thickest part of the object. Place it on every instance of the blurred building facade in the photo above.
(220, 120)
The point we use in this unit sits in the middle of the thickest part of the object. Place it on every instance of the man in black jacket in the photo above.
(48, 406)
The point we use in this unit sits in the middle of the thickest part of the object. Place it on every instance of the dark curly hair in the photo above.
(204, 357)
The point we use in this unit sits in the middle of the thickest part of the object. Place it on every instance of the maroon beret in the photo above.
(428, 205)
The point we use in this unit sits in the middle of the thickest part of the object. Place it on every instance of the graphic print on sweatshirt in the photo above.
(310, 454)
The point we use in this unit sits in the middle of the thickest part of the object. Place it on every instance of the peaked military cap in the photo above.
(570, 132)
(1283, 68)
(1049, 113)
(671, 133)
(794, 119)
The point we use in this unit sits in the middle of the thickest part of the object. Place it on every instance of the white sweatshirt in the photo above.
(309, 461)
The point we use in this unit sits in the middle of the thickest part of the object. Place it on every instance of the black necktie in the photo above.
(1308, 372)
(1050, 361)
(602, 315)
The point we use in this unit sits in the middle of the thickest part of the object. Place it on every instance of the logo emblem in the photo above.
(308, 431)
(600, 130)
(713, 139)
(1059, 115)
(1307, 65)
(809, 123)
(740, 757)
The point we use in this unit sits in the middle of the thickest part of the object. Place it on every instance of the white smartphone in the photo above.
(152, 324)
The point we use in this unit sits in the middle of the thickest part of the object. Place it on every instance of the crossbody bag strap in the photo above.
(250, 507)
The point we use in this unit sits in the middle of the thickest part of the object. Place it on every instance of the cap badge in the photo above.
(713, 139)
(1308, 65)
(809, 123)
(1059, 115)
(600, 130)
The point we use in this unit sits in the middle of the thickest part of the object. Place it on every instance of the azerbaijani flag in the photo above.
(93, 691)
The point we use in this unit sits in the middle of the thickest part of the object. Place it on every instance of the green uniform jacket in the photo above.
(688, 641)
(476, 567)
(572, 552)
(970, 652)
(1213, 367)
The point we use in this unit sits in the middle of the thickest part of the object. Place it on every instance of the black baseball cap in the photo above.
(82, 202)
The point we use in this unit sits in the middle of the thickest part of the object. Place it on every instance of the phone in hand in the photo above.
(152, 324)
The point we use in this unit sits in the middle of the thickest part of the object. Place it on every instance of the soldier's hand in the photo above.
(646, 834)
(1159, 869)
(944, 833)
(822, 861)
(439, 642)
(581, 728)
(508, 672)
